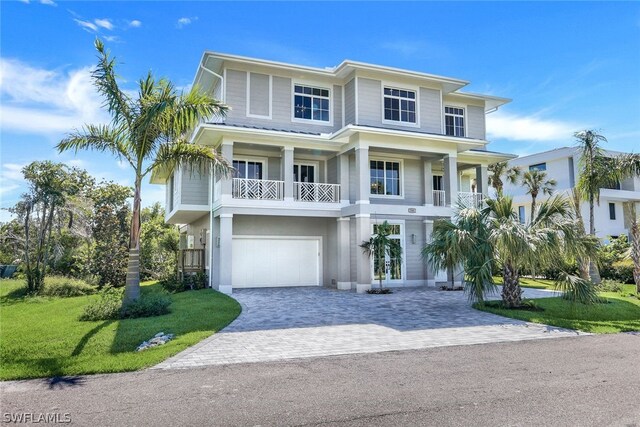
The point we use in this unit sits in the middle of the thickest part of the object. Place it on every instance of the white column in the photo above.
(430, 273)
(287, 172)
(225, 284)
(482, 180)
(344, 254)
(450, 179)
(343, 177)
(428, 183)
(363, 262)
(226, 184)
(363, 189)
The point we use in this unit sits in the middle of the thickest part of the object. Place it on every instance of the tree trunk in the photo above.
(594, 273)
(132, 286)
(511, 291)
(635, 243)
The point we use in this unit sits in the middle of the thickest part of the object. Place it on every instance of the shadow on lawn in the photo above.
(85, 339)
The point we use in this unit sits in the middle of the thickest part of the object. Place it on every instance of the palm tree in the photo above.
(535, 182)
(551, 231)
(149, 133)
(463, 241)
(634, 250)
(501, 170)
(381, 245)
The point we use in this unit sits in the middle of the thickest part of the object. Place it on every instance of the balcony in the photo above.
(314, 192)
(470, 200)
(439, 198)
(257, 189)
(264, 189)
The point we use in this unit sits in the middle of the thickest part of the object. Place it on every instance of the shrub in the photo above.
(60, 286)
(173, 285)
(155, 304)
(106, 307)
(609, 285)
(623, 271)
(196, 281)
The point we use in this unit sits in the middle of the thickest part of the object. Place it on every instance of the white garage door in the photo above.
(268, 262)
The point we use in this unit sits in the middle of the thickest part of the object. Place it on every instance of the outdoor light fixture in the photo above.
(413, 239)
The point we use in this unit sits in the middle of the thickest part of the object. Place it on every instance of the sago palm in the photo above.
(149, 132)
(536, 182)
(500, 170)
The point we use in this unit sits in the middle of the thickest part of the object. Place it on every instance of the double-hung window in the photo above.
(399, 105)
(385, 178)
(311, 103)
(454, 121)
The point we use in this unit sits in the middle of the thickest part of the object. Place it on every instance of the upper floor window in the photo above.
(454, 121)
(399, 105)
(538, 167)
(311, 103)
(521, 217)
(385, 178)
(612, 211)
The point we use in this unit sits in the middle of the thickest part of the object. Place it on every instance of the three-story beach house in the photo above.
(322, 155)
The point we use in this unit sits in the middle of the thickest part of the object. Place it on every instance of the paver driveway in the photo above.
(286, 323)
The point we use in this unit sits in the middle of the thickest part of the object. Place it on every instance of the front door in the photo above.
(393, 264)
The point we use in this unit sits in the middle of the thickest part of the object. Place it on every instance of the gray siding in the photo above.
(475, 122)
(259, 94)
(247, 225)
(350, 102)
(273, 168)
(282, 99)
(353, 179)
(413, 259)
(369, 102)
(430, 110)
(195, 187)
(332, 171)
(196, 227)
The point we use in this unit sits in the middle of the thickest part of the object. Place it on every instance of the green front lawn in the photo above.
(530, 283)
(620, 314)
(42, 337)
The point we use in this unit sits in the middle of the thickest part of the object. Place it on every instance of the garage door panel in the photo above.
(267, 262)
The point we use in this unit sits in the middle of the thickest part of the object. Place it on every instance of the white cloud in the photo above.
(113, 39)
(184, 21)
(104, 23)
(528, 128)
(135, 24)
(49, 102)
(86, 25)
(11, 178)
(48, 2)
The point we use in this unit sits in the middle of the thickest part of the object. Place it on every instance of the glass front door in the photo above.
(304, 173)
(247, 169)
(392, 270)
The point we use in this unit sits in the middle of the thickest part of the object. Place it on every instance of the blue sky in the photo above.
(566, 65)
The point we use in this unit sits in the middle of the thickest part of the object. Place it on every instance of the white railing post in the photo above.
(439, 198)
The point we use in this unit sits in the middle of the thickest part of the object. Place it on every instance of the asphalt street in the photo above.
(581, 381)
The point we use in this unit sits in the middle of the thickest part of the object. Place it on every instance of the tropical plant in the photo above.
(634, 251)
(159, 244)
(500, 170)
(535, 182)
(149, 133)
(463, 242)
(380, 245)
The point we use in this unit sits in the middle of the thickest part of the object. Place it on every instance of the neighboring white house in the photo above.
(321, 156)
(563, 165)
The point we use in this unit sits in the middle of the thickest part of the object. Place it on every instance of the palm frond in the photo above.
(105, 80)
(98, 138)
(576, 289)
(198, 158)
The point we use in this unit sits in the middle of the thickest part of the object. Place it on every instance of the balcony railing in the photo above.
(314, 192)
(439, 198)
(470, 200)
(261, 189)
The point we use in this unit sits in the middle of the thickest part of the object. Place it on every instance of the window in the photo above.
(538, 167)
(311, 103)
(612, 211)
(399, 105)
(454, 121)
(393, 261)
(247, 169)
(304, 173)
(385, 178)
(437, 182)
(521, 214)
